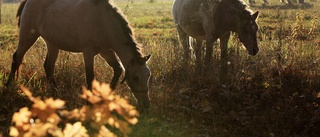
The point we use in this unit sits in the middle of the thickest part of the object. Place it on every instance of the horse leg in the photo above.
(49, 63)
(112, 60)
(209, 48)
(224, 57)
(25, 42)
(89, 62)
(184, 40)
(198, 52)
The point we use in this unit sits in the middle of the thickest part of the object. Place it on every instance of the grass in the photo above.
(272, 94)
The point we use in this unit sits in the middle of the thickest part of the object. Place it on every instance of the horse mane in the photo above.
(126, 27)
(241, 6)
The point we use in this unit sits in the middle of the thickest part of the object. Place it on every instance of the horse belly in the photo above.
(187, 17)
(60, 43)
(194, 30)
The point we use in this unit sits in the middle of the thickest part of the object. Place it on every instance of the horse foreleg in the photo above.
(184, 40)
(209, 48)
(112, 60)
(49, 63)
(89, 62)
(224, 57)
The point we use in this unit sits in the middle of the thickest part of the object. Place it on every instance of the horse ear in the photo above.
(146, 58)
(141, 60)
(255, 15)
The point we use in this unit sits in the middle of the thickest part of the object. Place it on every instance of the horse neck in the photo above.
(127, 48)
(228, 19)
(127, 53)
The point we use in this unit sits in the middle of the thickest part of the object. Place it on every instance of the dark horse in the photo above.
(212, 19)
(89, 26)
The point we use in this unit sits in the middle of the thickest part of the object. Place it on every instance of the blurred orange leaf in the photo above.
(75, 130)
(27, 92)
(104, 104)
(14, 132)
(21, 119)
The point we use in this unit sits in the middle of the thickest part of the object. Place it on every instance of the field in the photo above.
(273, 94)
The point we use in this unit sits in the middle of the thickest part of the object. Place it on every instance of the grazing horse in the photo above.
(212, 19)
(89, 26)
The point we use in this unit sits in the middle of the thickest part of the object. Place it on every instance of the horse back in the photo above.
(186, 16)
(65, 23)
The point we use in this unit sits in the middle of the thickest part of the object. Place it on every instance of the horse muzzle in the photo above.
(143, 100)
(252, 49)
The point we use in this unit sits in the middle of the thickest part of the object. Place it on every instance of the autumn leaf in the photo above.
(26, 92)
(14, 132)
(54, 104)
(104, 104)
(46, 109)
(40, 129)
(75, 130)
(132, 120)
(105, 132)
(22, 118)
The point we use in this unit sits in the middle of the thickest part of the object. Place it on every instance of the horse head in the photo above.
(238, 18)
(247, 31)
(137, 77)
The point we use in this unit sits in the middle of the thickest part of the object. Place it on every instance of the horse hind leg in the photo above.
(25, 42)
(89, 62)
(49, 63)
(112, 60)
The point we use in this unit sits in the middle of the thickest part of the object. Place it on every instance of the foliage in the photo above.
(298, 27)
(46, 117)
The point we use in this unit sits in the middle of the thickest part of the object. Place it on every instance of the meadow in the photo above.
(275, 93)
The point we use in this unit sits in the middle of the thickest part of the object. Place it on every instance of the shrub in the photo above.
(46, 118)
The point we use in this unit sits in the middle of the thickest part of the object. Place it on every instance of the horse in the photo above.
(90, 27)
(210, 20)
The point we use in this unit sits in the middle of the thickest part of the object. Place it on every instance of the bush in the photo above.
(46, 118)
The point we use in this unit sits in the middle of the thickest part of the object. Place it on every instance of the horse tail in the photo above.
(20, 9)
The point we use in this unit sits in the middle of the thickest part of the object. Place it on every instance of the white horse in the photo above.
(212, 19)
